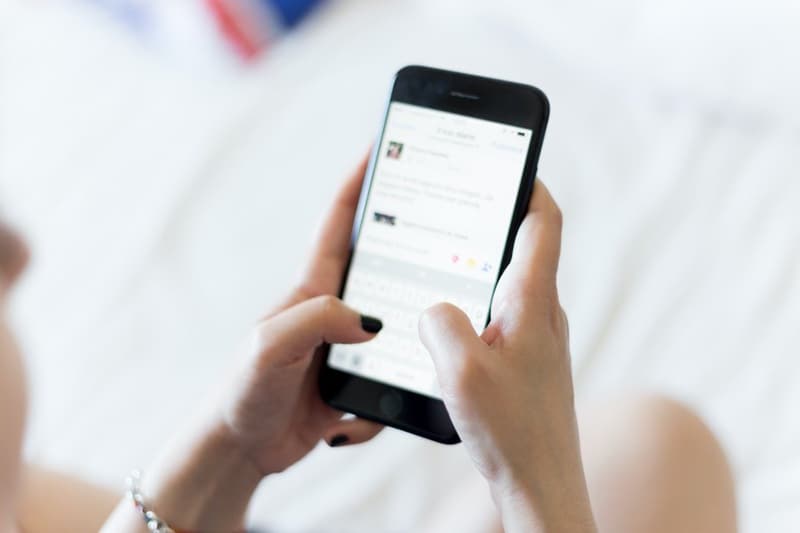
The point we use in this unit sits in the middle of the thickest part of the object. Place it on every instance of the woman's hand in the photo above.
(509, 390)
(271, 415)
(274, 409)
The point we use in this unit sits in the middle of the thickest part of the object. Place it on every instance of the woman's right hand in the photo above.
(509, 391)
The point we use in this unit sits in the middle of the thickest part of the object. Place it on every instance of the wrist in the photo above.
(526, 506)
(204, 485)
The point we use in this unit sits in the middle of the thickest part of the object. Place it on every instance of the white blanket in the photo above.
(168, 207)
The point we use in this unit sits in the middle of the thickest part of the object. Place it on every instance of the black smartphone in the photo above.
(446, 188)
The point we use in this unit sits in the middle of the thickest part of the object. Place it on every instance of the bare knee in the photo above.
(653, 465)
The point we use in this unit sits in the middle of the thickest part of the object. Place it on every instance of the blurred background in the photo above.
(168, 161)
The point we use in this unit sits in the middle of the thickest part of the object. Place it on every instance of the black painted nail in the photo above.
(371, 324)
(338, 440)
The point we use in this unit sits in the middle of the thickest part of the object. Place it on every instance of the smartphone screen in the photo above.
(434, 229)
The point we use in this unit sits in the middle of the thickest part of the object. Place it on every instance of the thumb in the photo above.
(451, 340)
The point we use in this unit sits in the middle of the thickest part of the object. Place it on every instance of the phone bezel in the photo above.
(511, 103)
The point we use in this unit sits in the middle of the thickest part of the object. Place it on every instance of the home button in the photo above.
(391, 403)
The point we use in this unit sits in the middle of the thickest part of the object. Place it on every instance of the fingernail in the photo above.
(371, 324)
(338, 440)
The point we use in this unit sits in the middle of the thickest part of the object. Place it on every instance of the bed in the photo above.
(168, 206)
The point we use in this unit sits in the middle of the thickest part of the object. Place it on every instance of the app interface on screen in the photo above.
(434, 229)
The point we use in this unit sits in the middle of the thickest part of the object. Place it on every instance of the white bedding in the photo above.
(167, 208)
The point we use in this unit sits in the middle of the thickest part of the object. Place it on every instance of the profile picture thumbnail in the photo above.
(394, 150)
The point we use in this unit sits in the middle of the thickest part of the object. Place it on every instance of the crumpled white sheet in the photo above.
(168, 208)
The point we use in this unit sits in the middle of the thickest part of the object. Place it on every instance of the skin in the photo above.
(530, 457)
(272, 415)
(13, 257)
(653, 465)
(269, 416)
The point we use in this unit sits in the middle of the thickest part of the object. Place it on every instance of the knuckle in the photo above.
(437, 314)
(327, 304)
(536, 293)
(535, 304)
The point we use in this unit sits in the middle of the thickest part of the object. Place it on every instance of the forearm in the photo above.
(552, 498)
(520, 512)
(205, 485)
(51, 502)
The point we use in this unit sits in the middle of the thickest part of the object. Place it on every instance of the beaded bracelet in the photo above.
(151, 519)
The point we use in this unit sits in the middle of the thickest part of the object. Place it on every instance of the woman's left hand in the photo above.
(271, 414)
(275, 410)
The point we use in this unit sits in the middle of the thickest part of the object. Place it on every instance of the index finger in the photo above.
(294, 333)
(537, 248)
(328, 258)
(332, 247)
